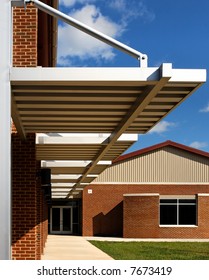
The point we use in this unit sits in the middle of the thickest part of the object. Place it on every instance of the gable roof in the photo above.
(159, 146)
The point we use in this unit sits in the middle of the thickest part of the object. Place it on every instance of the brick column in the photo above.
(25, 34)
(26, 193)
(203, 215)
(24, 198)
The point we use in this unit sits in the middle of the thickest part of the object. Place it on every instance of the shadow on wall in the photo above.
(29, 208)
(110, 224)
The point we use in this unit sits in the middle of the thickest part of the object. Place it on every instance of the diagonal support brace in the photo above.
(90, 31)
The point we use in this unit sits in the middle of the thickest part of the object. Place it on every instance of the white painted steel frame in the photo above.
(5, 132)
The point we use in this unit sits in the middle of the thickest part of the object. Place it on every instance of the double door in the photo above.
(61, 220)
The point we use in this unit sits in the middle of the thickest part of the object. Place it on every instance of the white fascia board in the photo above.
(128, 137)
(81, 138)
(61, 193)
(64, 163)
(62, 184)
(92, 175)
(104, 162)
(189, 75)
(91, 74)
(85, 74)
(67, 176)
(98, 76)
(61, 190)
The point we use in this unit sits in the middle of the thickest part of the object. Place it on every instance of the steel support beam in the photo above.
(141, 102)
(5, 132)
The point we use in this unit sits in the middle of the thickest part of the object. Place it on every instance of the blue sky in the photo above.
(176, 32)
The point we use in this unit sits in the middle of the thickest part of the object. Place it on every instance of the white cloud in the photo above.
(198, 144)
(70, 3)
(161, 127)
(205, 110)
(74, 43)
(132, 9)
(119, 5)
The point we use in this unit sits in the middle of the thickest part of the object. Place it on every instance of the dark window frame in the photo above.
(178, 212)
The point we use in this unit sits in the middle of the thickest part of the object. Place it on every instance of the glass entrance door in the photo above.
(61, 220)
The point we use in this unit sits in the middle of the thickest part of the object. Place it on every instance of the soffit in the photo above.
(74, 159)
(95, 100)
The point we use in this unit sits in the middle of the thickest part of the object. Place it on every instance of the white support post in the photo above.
(5, 132)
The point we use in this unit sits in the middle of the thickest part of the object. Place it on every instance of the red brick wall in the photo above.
(203, 213)
(30, 211)
(106, 198)
(25, 33)
(141, 216)
(24, 198)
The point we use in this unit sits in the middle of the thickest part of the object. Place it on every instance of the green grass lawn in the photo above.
(155, 250)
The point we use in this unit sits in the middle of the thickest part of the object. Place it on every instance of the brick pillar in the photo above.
(25, 34)
(141, 215)
(24, 198)
(26, 190)
(203, 214)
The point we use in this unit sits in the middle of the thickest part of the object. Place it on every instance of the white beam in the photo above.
(62, 185)
(97, 75)
(72, 138)
(69, 163)
(5, 132)
(66, 176)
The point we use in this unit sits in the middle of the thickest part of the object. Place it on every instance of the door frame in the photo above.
(61, 231)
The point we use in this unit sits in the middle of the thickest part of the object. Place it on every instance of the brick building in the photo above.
(34, 44)
(72, 122)
(157, 192)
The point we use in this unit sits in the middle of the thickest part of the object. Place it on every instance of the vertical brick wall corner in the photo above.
(30, 212)
(25, 43)
(203, 214)
(29, 209)
(24, 198)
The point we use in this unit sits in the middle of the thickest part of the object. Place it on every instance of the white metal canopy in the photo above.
(70, 157)
(104, 101)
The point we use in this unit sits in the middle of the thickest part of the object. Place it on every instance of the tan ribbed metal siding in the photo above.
(167, 164)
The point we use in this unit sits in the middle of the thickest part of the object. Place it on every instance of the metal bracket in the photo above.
(18, 3)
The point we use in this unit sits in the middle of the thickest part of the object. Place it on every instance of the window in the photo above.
(178, 212)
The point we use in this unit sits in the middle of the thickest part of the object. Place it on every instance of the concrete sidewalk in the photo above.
(68, 247)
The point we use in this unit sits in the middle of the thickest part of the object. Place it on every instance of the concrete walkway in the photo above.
(68, 247)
